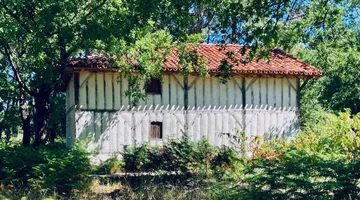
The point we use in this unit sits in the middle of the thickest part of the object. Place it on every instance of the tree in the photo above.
(9, 105)
(38, 37)
(326, 35)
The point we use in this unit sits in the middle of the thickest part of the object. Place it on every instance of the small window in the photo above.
(155, 130)
(153, 87)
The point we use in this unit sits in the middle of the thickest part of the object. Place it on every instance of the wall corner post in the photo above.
(76, 89)
(298, 103)
(186, 104)
(243, 96)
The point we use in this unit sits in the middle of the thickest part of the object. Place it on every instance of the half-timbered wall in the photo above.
(265, 106)
(106, 91)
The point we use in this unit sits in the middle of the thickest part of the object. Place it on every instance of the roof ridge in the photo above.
(212, 44)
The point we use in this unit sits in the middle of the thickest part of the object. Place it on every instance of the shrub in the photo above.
(139, 158)
(195, 158)
(227, 162)
(182, 155)
(187, 156)
(52, 168)
(321, 163)
(109, 166)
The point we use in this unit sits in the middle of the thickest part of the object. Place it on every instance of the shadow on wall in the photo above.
(288, 130)
(105, 132)
(95, 129)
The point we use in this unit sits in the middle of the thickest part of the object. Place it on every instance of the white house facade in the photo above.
(261, 99)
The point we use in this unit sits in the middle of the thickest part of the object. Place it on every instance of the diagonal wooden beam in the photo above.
(178, 82)
(193, 82)
(86, 79)
(237, 83)
(252, 82)
(292, 86)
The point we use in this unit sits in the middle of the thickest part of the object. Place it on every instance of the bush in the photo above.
(52, 168)
(187, 156)
(109, 166)
(195, 158)
(141, 158)
(321, 163)
(227, 162)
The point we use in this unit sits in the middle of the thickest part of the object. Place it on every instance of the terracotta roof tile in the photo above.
(279, 62)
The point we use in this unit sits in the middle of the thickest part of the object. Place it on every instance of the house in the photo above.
(261, 98)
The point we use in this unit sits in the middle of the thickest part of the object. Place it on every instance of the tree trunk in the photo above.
(25, 119)
(41, 117)
(1, 130)
(7, 135)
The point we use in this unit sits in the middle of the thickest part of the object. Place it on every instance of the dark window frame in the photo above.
(156, 126)
(154, 86)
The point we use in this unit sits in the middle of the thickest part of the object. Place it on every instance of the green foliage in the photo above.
(196, 158)
(331, 135)
(49, 168)
(339, 88)
(37, 38)
(57, 117)
(187, 156)
(138, 158)
(227, 162)
(148, 53)
(109, 166)
(321, 163)
(324, 34)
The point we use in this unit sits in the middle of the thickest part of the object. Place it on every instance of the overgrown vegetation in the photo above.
(48, 169)
(184, 156)
(321, 163)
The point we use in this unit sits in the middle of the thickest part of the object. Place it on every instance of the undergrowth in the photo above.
(322, 162)
(47, 170)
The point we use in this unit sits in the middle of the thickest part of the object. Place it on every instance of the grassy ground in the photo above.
(107, 189)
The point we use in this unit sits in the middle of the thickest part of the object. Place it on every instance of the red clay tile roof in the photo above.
(279, 62)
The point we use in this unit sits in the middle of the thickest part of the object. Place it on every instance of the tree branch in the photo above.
(15, 70)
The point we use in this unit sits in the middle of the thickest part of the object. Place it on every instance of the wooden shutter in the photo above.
(155, 130)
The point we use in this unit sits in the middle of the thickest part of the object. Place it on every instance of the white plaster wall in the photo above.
(110, 132)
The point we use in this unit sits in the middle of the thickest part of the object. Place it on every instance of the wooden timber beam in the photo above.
(243, 95)
(186, 104)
